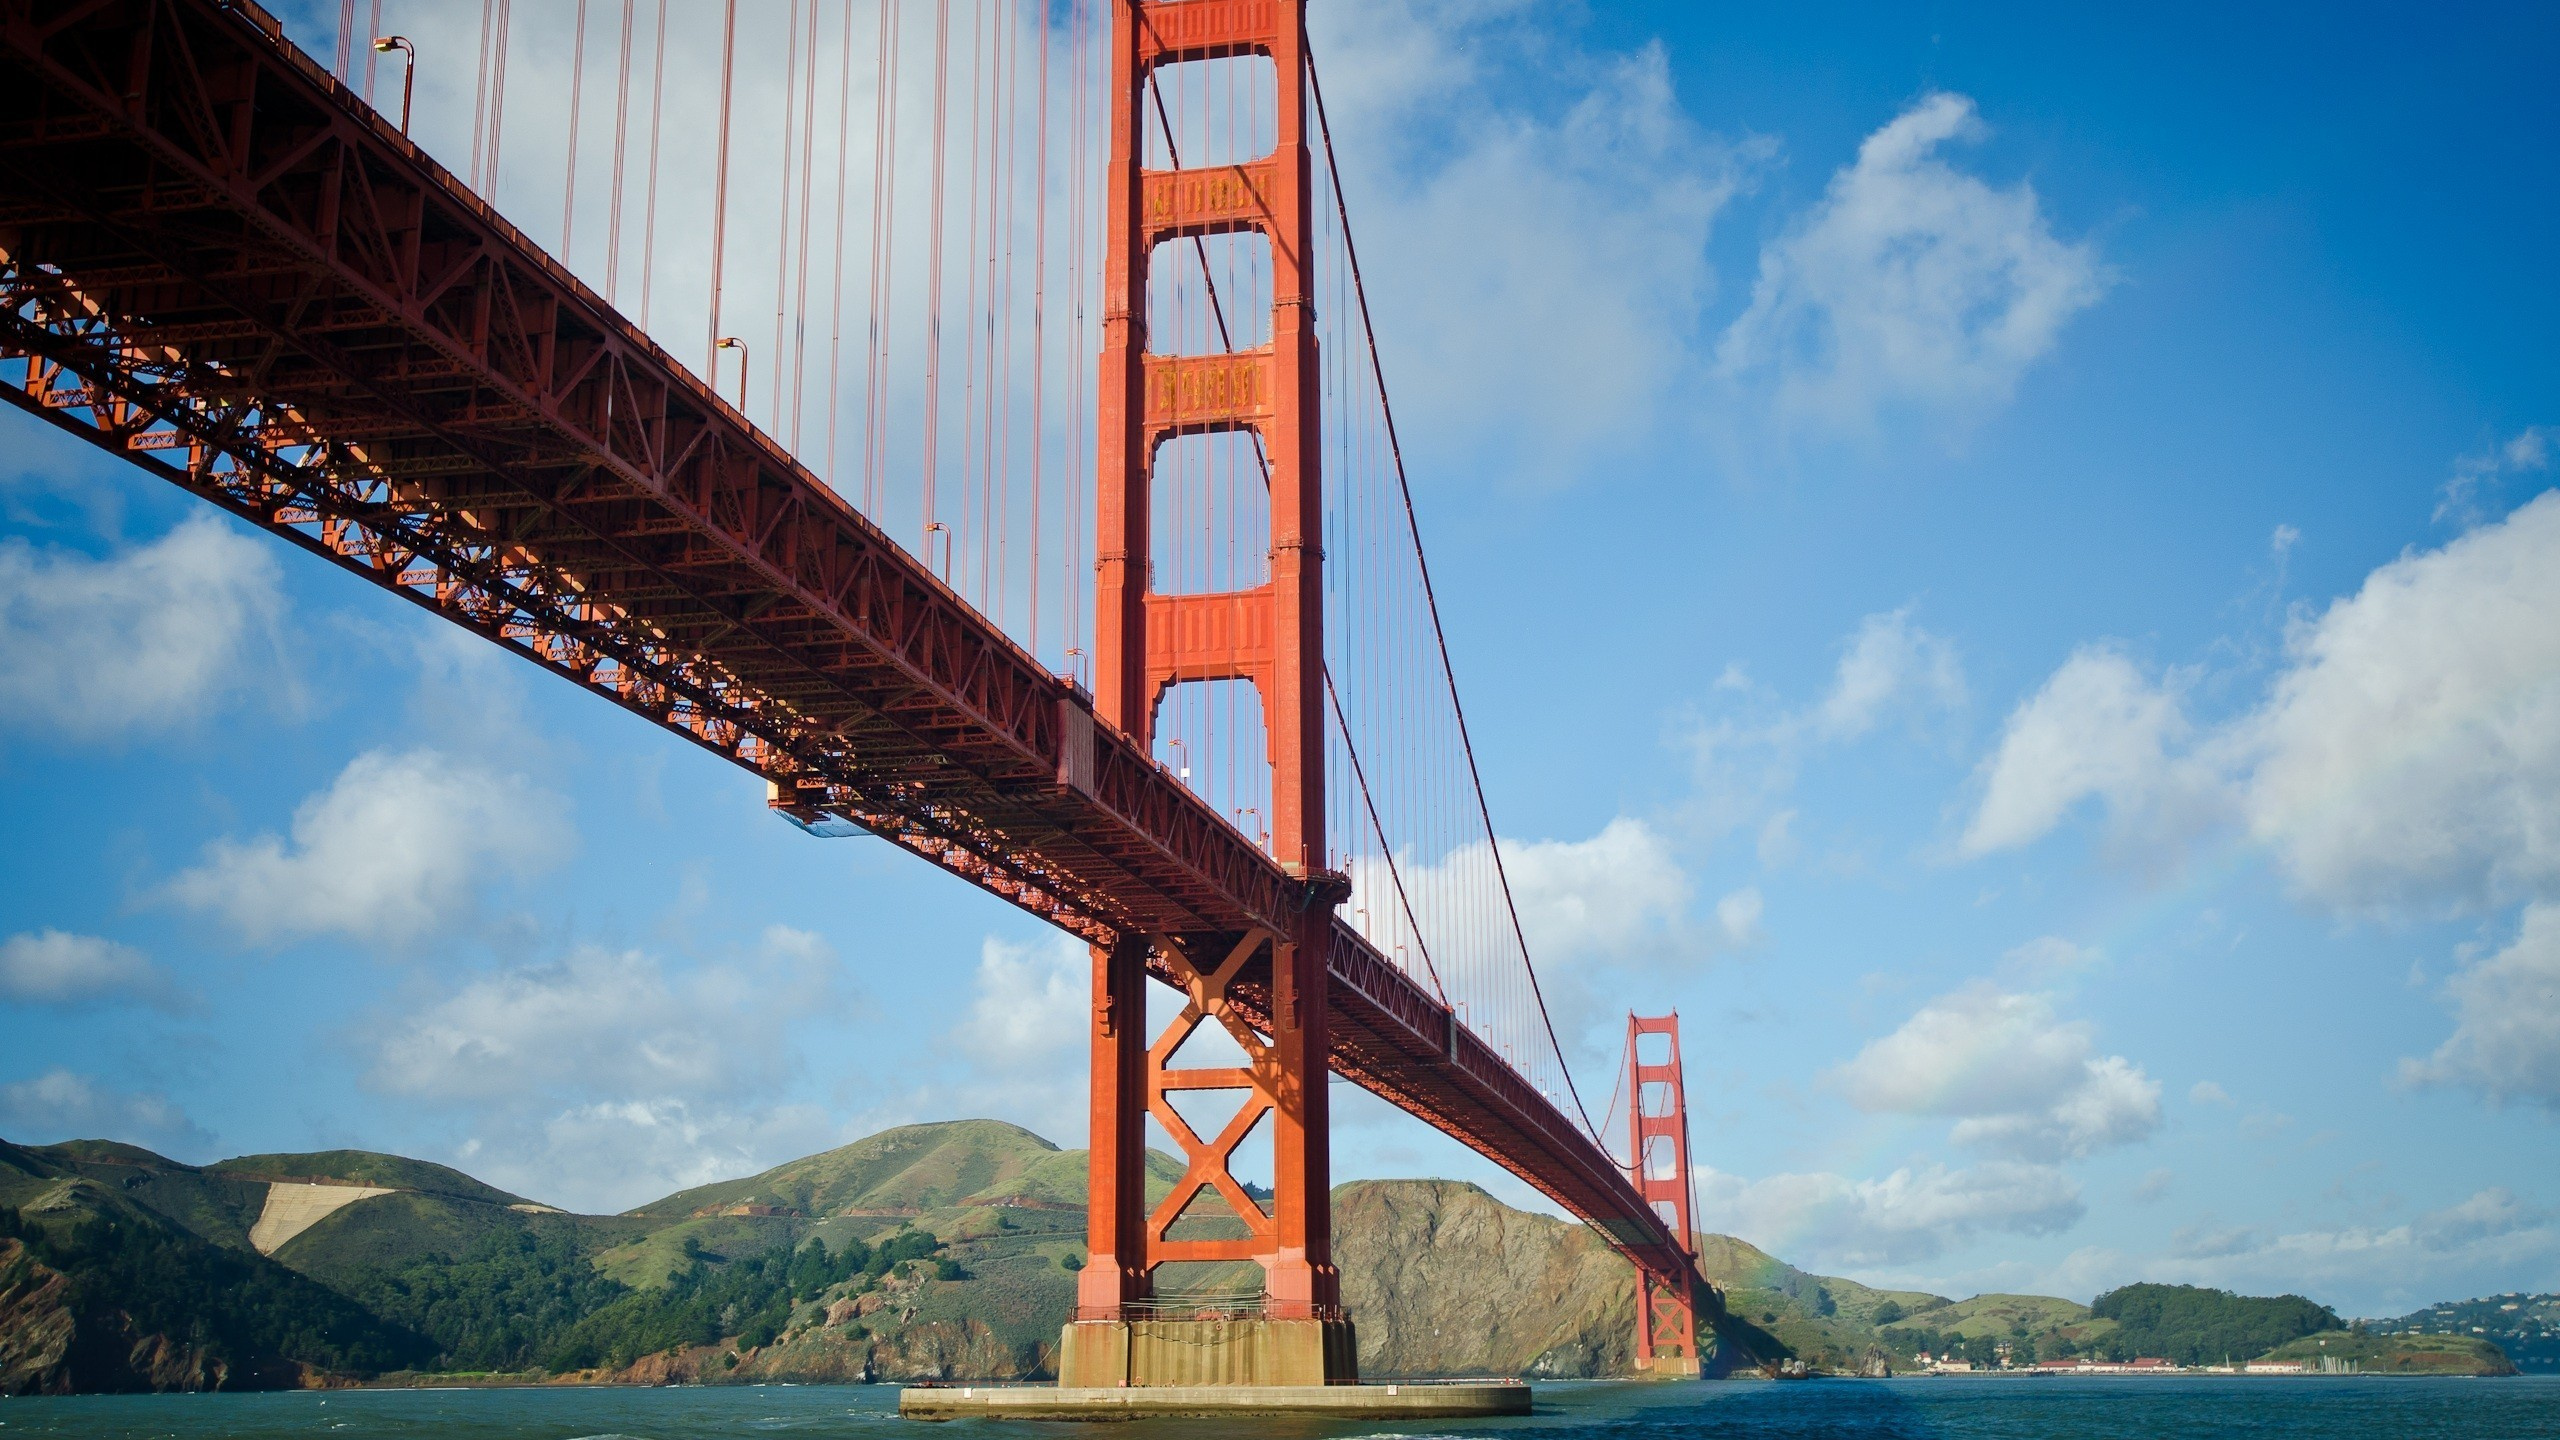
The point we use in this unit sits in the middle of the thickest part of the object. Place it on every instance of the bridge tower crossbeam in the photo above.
(1270, 636)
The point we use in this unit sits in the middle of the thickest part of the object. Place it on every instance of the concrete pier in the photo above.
(1460, 1400)
(1251, 1351)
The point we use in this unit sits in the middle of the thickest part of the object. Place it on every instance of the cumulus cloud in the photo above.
(2471, 490)
(61, 1105)
(52, 967)
(615, 1155)
(2406, 755)
(608, 1077)
(1912, 1214)
(2098, 728)
(2015, 1078)
(1030, 1010)
(391, 851)
(146, 639)
(1889, 661)
(609, 1025)
(2474, 1246)
(2410, 752)
(1911, 282)
(1534, 218)
(2506, 1037)
(2207, 1092)
(1889, 668)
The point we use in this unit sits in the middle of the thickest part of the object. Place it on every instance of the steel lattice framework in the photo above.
(220, 265)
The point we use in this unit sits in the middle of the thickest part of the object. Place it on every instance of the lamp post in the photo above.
(731, 342)
(408, 74)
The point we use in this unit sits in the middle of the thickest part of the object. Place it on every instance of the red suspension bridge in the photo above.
(1238, 765)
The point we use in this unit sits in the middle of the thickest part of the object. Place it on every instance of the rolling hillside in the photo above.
(944, 1251)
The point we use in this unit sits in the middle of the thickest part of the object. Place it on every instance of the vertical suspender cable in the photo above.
(577, 87)
(649, 222)
(346, 37)
(933, 282)
(782, 230)
(621, 148)
(479, 94)
(371, 55)
(969, 303)
(720, 184)
(488, 186)
(884, 201)
(808, 199)
(835, 327)
(1039, 299)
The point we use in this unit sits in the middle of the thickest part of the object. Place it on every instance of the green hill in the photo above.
(364, 1167)
(930, 1251)
(906, 1171)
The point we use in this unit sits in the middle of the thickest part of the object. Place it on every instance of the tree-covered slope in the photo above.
(2195, 1326)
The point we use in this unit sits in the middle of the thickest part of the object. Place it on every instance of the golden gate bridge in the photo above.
(1076, 301)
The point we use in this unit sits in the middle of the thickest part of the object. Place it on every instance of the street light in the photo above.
(730, 342)
(408, 74)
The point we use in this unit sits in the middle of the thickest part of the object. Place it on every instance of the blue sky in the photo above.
(2001, 563)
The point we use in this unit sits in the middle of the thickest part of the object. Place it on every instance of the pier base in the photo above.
(1669, 1367)
(1115, 1354)
(1468, 1400)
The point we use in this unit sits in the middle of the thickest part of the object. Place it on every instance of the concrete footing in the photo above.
(1339, 1402)
(1112, 1354)
(1669, 1367)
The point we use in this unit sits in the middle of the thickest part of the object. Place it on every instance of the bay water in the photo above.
(1938, 1408)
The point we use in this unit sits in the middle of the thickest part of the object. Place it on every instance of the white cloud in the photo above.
(1889, 660)
(2099, 728)
(1888, 667)
(1911, 282)
(52, 967)
(1030, 1012)
(2406, 756)
(1533, 219)
(2490, 1241)
(2410, 752)
(2506, 1037)
(609, 1077)
(147, 639)
(2015, 1078)
(60, 1105)
(391, 851)
(609, 1026)
(2206, 1092)
(610, 1156)
(2048, 956)
(1909, 1215)
(2469, 493)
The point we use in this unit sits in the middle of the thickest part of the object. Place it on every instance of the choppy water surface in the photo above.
(1924, 1409)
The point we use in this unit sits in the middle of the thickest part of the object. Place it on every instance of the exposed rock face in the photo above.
(836, 1355)
(1443, 1279)
(36, 1325)
(46, 1348)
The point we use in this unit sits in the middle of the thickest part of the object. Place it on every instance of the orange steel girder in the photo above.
(1666, 1305)
(1271, 635)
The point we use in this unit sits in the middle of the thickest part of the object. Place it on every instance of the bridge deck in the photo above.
(221, 265)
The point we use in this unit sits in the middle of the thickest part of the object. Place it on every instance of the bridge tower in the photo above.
(1658, 1126)
(1266, 989)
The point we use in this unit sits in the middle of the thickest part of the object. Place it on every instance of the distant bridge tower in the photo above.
(1658, 1128)
(1256, 983)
